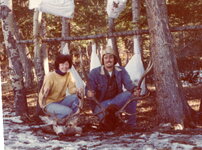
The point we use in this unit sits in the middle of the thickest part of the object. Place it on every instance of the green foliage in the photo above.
(90, 18)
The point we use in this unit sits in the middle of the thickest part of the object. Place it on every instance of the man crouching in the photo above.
(105, 84)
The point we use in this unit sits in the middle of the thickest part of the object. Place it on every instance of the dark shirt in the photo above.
(112, 87)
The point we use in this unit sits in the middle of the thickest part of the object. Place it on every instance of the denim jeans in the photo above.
(64, 107)
(120, 100)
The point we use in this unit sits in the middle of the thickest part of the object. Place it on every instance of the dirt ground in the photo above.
(146, 108)
(148, 135)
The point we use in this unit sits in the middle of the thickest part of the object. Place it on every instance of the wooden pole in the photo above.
(109, 35)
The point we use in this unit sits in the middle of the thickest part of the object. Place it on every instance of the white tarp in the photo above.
(135, 67)
(115, 7)
(79, 82)
(94, 59)
(64, 8)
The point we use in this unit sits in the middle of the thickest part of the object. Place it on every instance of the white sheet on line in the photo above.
(63, 8)
(115, 7)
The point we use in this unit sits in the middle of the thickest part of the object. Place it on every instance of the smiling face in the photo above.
(64, 67)
(108, 60)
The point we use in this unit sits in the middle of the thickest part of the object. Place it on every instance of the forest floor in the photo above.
(28, 136)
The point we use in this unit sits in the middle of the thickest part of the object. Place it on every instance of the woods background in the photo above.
(90, 18)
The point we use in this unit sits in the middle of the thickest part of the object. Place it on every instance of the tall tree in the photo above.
(37, 48)
(38, 62)
(172, 106)
(26, 63)
(16, 70)
(65, 32)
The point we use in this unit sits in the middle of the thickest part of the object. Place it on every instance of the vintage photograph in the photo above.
(101, 74)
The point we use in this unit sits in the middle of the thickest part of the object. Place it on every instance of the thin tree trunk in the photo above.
(136, 39)
(37, 48)
(136, 17)
(170, 98)
(114, 42)
(26, 63)
(44, 50)
(38, 62)
(65, 33)
(16, 75)
(81, 64)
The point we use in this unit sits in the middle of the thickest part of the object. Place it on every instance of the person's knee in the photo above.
(127, 94)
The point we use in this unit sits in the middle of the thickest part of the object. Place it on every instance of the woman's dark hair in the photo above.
(61, 58)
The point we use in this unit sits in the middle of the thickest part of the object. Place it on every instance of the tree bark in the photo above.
(172, 106)
(65, 32)
(44, 50)
(26, 62)
(114, 42)
(136, 17)
(37, 48)
(16, 75)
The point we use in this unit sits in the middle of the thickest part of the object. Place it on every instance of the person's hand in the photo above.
(90, 93)
(137, 92)
(80, 92)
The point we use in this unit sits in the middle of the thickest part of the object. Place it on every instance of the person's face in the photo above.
(108, 60)
(64, 67)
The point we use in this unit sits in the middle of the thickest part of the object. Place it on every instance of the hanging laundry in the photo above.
(94, 59)
(135, 67)
(115, 7)
(63, 8)
(79, 82)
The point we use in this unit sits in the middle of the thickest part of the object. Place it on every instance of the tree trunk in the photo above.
(44, 50)
(38, 61)
(16, 70)
(136, 17)
(37, 48)
(82, 66)
(65, 33)
(26, 62)
(172, 106)
(114, 43)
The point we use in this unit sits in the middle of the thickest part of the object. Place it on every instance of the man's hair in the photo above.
(61, 58)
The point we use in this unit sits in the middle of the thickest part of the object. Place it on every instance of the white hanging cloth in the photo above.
(79, 82)
(109, 43)
(135, 67)
(94, 59)
(63, 8)
(115, 7)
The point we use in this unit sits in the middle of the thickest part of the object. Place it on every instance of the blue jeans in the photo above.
(64, 107)
(120, 100)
